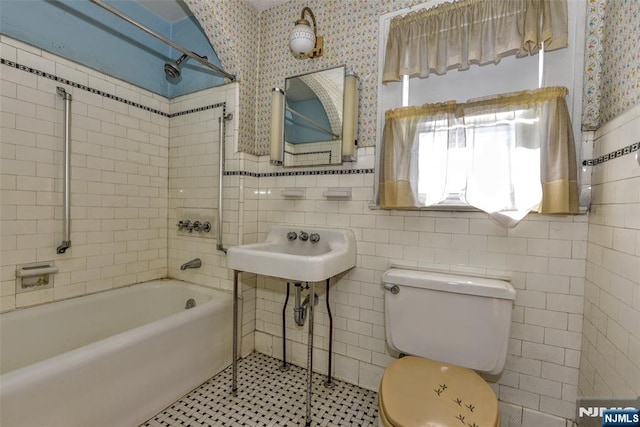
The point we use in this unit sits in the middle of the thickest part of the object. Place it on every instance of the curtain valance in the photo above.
(507, 155)
(455, 35)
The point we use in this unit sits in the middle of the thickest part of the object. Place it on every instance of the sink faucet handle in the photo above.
(292, 235)
(314, 237)
(304, 236)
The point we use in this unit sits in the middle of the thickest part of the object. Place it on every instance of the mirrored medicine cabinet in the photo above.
(313, 119)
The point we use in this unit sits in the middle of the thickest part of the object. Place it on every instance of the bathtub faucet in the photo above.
(194, 263)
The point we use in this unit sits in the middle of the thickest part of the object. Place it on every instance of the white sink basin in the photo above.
(297, 260)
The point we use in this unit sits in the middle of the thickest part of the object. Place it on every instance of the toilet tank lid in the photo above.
(450, 282)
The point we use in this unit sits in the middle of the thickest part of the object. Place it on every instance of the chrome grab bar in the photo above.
(394, 289)
(66, 228)
(221, 132)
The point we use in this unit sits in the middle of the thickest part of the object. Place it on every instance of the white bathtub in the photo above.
(111, 359)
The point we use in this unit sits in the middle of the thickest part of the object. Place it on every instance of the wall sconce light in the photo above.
(350, 118)
(277, 125)
(305, 41)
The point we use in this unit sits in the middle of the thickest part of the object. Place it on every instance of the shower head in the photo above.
(172, 68)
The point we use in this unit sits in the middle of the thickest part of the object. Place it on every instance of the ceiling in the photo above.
(176, 10)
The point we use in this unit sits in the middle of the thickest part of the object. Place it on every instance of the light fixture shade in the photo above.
(277, 125)
(350, 118)
(302, 39)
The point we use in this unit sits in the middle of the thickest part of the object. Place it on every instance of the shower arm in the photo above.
(162, 38)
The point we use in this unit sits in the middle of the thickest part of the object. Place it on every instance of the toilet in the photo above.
(449, 327)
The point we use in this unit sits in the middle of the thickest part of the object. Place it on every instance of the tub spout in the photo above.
(194, 263)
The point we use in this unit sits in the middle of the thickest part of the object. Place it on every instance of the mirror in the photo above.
(313, 117)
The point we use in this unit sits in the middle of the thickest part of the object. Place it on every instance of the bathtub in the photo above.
(111, 359)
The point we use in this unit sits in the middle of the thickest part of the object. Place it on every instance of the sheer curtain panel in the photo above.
(506, 154)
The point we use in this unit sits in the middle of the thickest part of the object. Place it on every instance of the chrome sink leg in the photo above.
(329, 383)
(234, 385)
(310, 358)
(284, 366)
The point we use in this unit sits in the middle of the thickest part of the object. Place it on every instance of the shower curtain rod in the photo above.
(171, 43)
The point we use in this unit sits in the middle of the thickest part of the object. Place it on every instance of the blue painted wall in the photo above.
(298, 130)
(85, 33)
(194, 75)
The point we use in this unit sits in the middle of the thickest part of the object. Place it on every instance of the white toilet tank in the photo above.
(450, 318)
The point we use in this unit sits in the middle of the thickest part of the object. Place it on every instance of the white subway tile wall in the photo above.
(545, 255)
(194, 190)
(131, 168)
(118, 180)
(610, 364)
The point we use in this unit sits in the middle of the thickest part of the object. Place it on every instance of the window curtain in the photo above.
(506, 154)
(399, 169)
(455, 35)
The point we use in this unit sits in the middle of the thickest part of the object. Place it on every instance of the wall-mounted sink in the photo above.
(299, 259)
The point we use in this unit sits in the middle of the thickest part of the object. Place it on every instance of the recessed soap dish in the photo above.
(35, 276)
(294, 193)
(338, 194)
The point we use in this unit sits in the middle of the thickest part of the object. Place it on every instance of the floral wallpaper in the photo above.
(350, 30)
(621, 70)
(255, 47)
(612, 60)
(593, 65)
(232, 27)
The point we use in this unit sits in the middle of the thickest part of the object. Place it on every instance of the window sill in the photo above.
(451, 207)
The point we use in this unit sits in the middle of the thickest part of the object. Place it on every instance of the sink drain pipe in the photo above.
(299, 310)
(301, 306)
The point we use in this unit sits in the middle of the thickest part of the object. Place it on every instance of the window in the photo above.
(446, 165)
(506, 155)
(457, 159)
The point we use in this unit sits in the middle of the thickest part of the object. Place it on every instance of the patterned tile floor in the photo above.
(269, 397)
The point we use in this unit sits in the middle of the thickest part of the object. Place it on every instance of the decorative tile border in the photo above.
(182, 113)
(299, 173)
(106, 94)
(613, 155)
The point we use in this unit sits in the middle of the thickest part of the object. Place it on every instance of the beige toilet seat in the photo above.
(416, 392)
